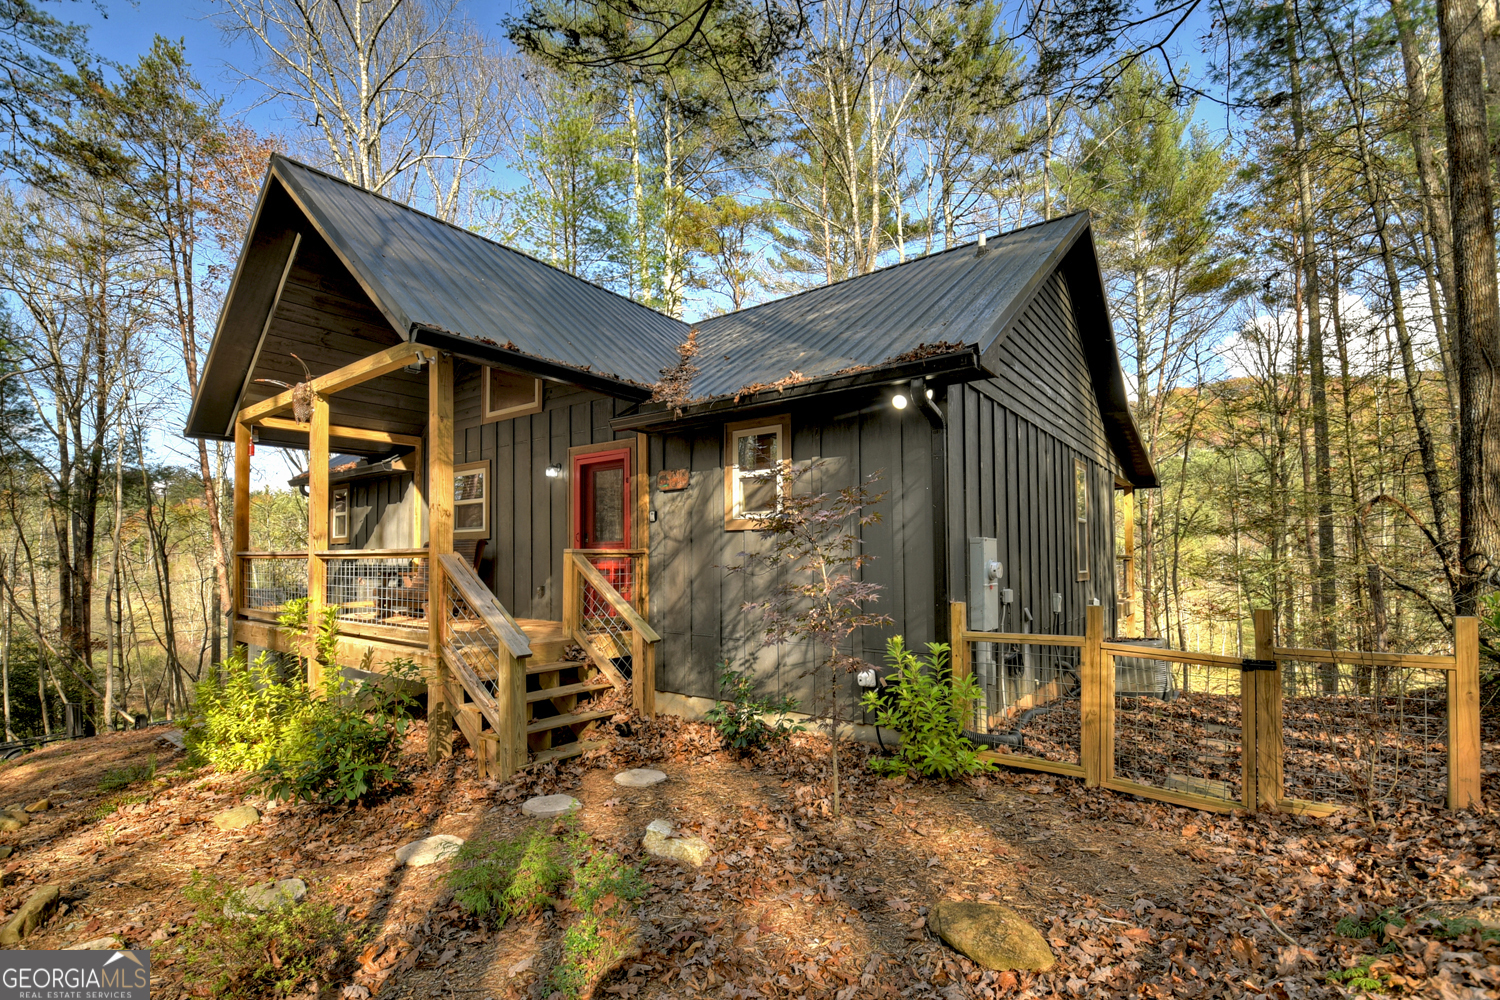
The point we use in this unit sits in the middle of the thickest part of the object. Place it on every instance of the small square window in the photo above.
(338, 515)
(471, 508)
(505, 395)
(755, 460)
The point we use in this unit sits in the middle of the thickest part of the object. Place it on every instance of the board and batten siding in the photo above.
(697, 598)
(1012, 440)
(523, 557)
(380, 512)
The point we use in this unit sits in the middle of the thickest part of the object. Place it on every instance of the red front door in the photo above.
(601, 512)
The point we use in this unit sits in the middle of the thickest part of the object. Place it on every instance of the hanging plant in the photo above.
(302, 393)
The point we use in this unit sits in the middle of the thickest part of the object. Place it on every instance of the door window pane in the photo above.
(609, 506)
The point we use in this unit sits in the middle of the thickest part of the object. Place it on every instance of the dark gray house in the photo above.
(496, 398)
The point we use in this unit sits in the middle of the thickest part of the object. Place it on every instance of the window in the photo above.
(471, 500)
(507, 394)
(338, 514)
(756, 456)
(1081, 513)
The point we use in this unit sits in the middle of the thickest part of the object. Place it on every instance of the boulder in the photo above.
(993, 935)
(6, 852)
(110, 943)
(40, 905)
(10, 823)
(640, 777)
(659, 842)
(39, 806)
(549, 806)
(438, 847)
(257, 899)
(237, 818)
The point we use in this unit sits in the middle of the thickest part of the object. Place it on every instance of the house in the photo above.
(605, 466)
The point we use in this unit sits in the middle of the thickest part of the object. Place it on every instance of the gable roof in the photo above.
(437, 283)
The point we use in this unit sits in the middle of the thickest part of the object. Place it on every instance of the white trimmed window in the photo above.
(338, 514)
(1081, 514)
(508, 394)
(757, 452)
(471, 500)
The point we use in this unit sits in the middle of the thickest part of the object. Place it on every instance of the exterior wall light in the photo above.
(553, 471)
(899, 401)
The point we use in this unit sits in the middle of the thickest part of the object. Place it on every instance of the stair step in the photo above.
(559, 721)
(594, 684)
(554, 666)
(562, 752)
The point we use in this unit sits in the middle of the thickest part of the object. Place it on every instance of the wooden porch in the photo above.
(521, 691)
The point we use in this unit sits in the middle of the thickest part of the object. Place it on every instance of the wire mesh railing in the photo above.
(469, 640)
(1031, 703)
(608, 621)
(268, 580)
(382, 589)
(1357, 734)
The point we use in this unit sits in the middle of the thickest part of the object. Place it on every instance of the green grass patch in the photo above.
(604, 891)
(122, 778)
(113, 804)
(499, 878)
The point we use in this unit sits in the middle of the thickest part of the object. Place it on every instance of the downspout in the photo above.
(939, 494)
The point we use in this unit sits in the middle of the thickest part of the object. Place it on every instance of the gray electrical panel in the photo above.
(984, 584)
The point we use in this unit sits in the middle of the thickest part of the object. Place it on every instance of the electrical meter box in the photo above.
(985, 572)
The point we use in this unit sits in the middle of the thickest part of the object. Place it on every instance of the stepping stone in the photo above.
(237, 818)
(659, 843)
(257, 899)
(550, 806)
(39, 806)
(438, 847)
(640, 777)
(993, 935)
(32, 914)
(110, 943)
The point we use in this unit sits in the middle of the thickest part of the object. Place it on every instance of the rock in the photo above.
(6, 852)
(438, 847)
(660, 843)
(237, 818)
(640, 777)
(33, 913)
(550, 806)
(10, 823)
(110, 943)
(259, 898)
(174, 737)
(39, 806)
(993, 935)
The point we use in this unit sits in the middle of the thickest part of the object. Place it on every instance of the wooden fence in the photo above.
(1295, 730)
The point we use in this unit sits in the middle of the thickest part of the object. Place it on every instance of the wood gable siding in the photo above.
(1011, 445)
(523, 560)
(697, 600)
(380, 512)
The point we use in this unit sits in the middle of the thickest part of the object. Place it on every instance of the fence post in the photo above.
(959, 665)
(1463, 716)
(1268, 747)
(1097, 740)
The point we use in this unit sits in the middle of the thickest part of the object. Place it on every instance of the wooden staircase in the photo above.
(563, 696)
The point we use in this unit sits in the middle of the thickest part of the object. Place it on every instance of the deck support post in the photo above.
(317, 535)
(440, 543)
(241, 542)
(960, 664)
(1266, 745)
(1463, 716)
(1096, 743)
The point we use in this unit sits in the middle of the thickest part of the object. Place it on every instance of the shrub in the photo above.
(924, 706)
(497, 879)
(246, 714)
(604, 887)
(740, 718)
(272, 954)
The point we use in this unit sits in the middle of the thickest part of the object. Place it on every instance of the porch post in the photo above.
(241, 541)
(439, 543)
(317, 531)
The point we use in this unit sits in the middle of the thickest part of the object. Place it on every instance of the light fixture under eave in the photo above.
(553, 471)
(899, 401)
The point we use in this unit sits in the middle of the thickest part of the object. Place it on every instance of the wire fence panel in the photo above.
(470, 641)
(1178, 727)
(1356, 734)
(1032, 703)
(267, 583)
(378, 590)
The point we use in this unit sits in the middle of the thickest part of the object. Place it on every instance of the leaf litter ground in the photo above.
(1137, 898)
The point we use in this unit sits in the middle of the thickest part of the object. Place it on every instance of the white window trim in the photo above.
(735, 519)
(484, 501)
(489, 413)
(333, 533)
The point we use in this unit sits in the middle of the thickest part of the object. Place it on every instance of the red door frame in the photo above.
(580, 482)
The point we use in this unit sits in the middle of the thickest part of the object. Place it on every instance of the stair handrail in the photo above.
(506, 710)
(622, 607)
(485, 604)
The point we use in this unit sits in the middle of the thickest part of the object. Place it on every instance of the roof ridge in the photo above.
(891, 267)
(471, 233)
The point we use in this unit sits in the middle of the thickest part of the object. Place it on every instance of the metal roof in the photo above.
(964, 296)
(423, 271)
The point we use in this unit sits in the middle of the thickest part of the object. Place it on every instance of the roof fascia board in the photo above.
(999, 328)
(500, 357)
(955, 366)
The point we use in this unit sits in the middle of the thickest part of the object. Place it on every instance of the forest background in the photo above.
(1291, 200)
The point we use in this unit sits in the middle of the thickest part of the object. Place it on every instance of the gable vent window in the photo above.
(338, 515)
(471, 496)
(756, 453)
(1081, 513)
(505, 395)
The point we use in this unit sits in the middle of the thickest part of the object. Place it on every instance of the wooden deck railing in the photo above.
(608, 625)
(1290, 729)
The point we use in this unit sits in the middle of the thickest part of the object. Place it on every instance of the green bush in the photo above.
(925, 709)
(741, 717)
(273, 954)
(247, 713)
(604, 887)
(497, 879)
